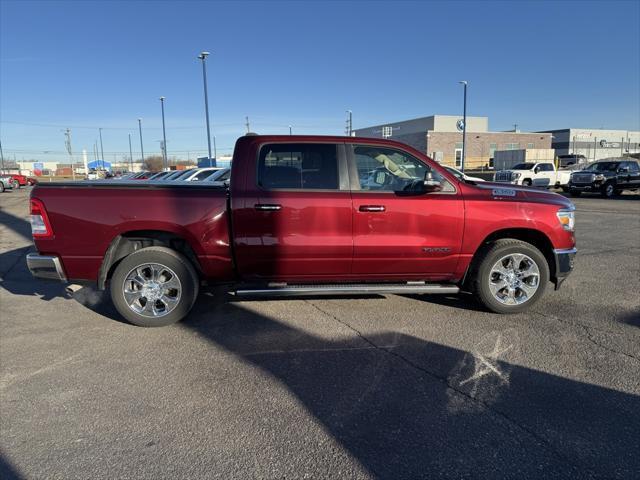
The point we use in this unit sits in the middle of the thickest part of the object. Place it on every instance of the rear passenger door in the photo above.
(301, 222)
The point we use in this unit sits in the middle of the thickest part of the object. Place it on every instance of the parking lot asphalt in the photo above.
(376, 387)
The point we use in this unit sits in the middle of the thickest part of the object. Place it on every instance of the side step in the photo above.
(285, 290)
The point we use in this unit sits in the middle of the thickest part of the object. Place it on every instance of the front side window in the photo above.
(298, 166)
(387, 169)
(546, 167)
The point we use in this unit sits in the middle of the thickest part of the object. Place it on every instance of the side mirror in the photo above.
(536, 170)
(623, 170)
(431, 184)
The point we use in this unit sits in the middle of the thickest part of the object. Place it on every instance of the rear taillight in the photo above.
(40, 226)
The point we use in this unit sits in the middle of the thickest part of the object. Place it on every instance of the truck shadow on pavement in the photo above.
(405, 407)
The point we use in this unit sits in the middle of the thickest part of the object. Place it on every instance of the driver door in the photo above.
(398, 234)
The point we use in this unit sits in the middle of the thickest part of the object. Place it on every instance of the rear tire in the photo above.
(511, 276)
(1, 187)
(16, 185)
(154, 287)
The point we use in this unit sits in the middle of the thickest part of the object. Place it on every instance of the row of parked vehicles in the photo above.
(208, 174)
(609, 177)
(10, 181)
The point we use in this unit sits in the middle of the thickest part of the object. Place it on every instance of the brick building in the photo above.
(440, 137)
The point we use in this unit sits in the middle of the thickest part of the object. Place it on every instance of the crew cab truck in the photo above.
(304, 215)
(607, 177)
(534, 174)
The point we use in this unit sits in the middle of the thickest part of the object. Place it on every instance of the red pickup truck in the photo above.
(304, 215)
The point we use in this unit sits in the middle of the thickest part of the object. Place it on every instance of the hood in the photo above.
(517, 193)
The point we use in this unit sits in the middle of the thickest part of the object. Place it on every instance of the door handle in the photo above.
(372, 208)
(269, 207)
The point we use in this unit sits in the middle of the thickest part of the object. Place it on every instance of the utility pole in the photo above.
(515, 128)
(101, 148)
(130, 154)
(247, 124)
(215, 151)
(464, 126)
(1, 156)
(141, 147)
(349, 127)
(165, 163)
(203, 57)
(67, 143)
(290, 130)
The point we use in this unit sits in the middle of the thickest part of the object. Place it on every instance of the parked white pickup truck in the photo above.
(534, 174)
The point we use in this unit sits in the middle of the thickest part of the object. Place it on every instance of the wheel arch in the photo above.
(128, 242)
(532, 236)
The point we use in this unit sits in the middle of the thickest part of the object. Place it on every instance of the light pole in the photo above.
(101, 148)
(2, 157)
(141, 147)
(130, 154)
(290, 130)
(165, 164)
(203, 57)
(464, 125)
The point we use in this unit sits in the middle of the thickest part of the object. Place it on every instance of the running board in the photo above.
(284, 290)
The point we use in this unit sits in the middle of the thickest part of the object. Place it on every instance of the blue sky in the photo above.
(94, 64)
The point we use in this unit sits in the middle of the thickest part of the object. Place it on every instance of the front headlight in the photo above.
(567, 219)
(599, 177)
(516, 175)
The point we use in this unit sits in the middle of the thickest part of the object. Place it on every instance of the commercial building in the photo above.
(595, 144)
(440, 137)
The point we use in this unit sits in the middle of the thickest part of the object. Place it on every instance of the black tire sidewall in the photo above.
(527, 183)
(605, 187)
(169, 258)
(495, 252)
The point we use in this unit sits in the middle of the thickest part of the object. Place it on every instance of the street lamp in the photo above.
(141, 147)
(464, 125)
(165, 164)
(203, 57)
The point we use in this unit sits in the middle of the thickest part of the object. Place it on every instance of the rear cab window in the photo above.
(298, 166)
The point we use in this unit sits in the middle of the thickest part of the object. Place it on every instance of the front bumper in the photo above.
(564, 264)
(46, 266)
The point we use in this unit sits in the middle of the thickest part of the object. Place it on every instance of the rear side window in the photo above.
(633, 167)
(201, 175)
(300, 166)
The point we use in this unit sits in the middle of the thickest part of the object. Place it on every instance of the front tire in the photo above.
(511, 276)
(526, 182)
(608, 190)
(154, 287)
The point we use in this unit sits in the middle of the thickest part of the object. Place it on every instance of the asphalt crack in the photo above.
(445, 380)
(589, 336)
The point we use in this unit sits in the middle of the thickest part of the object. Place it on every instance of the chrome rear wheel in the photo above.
(152, 290)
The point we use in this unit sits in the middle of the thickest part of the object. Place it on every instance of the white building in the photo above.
(595, 144)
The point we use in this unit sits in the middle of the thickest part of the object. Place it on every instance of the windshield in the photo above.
(456, 173)
(603, 167)
(523, 166)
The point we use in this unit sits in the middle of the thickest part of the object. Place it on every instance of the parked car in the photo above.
(6, 183)
(177, 174)
(463, 176)
(18, 180)
(297, 220)
(160, 175)
(198, 174)
(222, 175)
(607, 177)
(533, 174)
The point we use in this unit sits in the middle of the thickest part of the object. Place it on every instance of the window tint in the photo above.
(386, 169)
(633, 167)
(546, 167)
(298, 166)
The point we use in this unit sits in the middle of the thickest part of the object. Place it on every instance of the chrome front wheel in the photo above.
(514, 279)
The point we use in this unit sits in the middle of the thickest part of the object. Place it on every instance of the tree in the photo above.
(153, 163)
